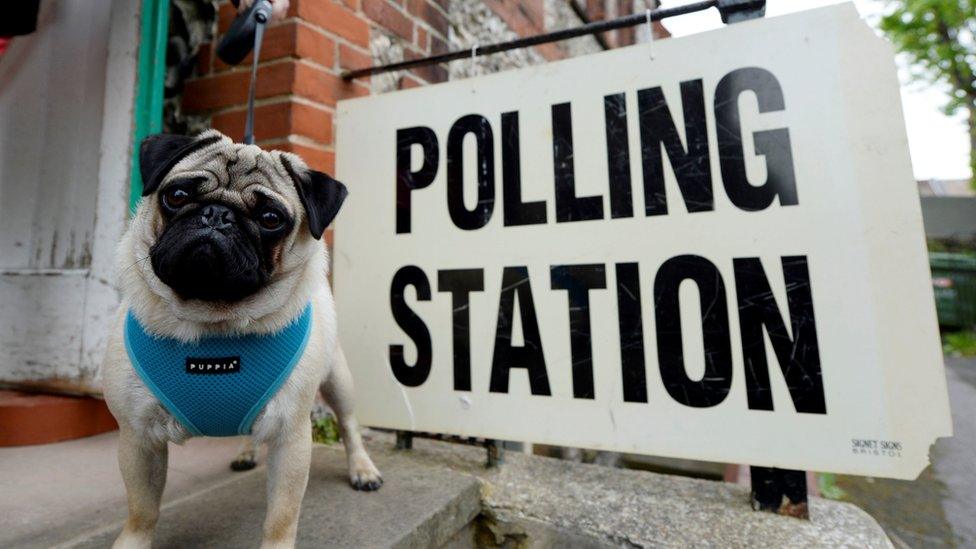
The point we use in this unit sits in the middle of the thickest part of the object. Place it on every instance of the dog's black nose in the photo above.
(217, 216)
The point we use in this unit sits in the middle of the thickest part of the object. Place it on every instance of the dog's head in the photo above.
(221, 221)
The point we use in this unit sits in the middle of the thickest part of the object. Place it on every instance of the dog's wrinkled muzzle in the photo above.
(209, 255)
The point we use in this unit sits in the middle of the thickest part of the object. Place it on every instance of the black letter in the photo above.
(515, 280)
(713, 387)
(461, 282)
(578, 280)
(481, 214)
(618, 155)
(516, 212)
(691, 167)
(407, 180)
(631, 333)
(773, 144)
(799, 356)
(569, 207)
(412, 325)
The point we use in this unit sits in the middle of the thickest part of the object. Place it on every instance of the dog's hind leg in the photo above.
(337, 391)
(143, 469)
(246, 457)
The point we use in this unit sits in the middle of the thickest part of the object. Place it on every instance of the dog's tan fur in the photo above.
(300, 276)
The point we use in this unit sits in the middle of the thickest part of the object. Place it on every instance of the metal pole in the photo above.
(565, 34)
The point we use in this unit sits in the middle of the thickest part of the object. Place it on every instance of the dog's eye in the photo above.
(270, 219)
(175, 198)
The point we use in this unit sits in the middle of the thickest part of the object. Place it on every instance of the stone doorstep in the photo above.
(440, 494)
(419, 506)
(29, 418)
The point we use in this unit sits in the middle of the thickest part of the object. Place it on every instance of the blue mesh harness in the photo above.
(218, 385)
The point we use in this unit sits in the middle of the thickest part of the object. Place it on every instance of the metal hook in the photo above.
(650, 33)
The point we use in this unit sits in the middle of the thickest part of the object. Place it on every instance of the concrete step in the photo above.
(52, 493)
(436, 495)
(419, 506)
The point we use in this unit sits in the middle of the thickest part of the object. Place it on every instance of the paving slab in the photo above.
(419, 506)
(556, 503)
(613, 507)
(51, 492)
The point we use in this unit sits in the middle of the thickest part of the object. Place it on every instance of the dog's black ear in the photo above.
(321, 197)
(159, 152)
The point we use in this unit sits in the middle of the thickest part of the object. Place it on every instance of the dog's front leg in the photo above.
(288, 461)
(143, 467)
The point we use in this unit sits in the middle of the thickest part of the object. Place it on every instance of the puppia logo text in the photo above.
(870, 447)
(211, 365)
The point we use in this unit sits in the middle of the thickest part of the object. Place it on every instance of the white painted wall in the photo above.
(66, 101)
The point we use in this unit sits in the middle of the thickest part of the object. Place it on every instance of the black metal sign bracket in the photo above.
(736, 11)
(494, 451)
(732, 11)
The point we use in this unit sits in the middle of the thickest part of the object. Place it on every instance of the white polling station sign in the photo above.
(712, 253)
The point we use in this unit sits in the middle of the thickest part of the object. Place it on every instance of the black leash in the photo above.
(235, 46)
(249, 125)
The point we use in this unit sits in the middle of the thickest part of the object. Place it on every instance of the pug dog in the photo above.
(226, 242)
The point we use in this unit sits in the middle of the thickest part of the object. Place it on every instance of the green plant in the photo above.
(952, 245)
(325, 430)
(962, 343)
(939, 37)
(827, 486)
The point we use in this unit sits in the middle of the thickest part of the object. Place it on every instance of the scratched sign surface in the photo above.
(710, 248)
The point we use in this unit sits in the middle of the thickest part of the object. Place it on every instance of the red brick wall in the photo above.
(301, 60)
(299, 73)
(298, 79)
(303, 56)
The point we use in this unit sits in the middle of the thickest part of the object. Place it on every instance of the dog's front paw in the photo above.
(363, 475)
(133, 540)
(245, 460)
(243, 464)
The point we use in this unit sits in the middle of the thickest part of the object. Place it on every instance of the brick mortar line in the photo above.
(434, 32)
(313, 64)
(277, 142)
(299, 139)
(347, 84)
(275, 99)
(421, 19)
(237, 69)
(330, 34)
(231, 69)
(443, 11)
